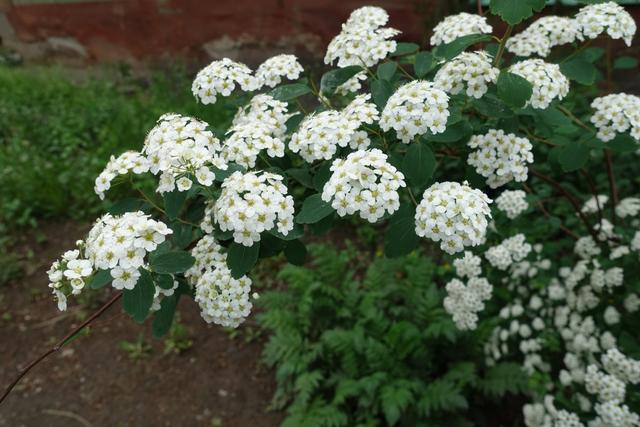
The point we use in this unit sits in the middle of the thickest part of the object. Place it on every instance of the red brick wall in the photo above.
(144, 29)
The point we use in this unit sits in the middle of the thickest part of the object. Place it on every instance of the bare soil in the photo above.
(218, 381)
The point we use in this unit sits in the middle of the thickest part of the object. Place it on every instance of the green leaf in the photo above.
(222, 174)
(313, 210)
(405, 49)
(270, 245)
(381, 90)
(322, 175)
(334, 78)
(452, 133)
(419, 163)
(138, 301)
(456, 47)
(296, 252)
(123, 206)
(401, 237)
(579, 70)
(424, 63)
(101, 278)
(301, 175)
(625, 63)
(623, 143)
(171, 262)
(573, 156)
(394, 401)
(173, 202)
(241, 258)
(163, 318)
(290, 91)
(513, 89)
(515, 11)
(295, 233)
(293, 122)
(164, 281)
(386, 70)
(182, 234)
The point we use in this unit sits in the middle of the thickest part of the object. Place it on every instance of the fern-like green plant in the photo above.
(365, 347)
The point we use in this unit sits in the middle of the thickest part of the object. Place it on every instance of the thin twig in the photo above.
(68, 414)
(569, 114)
(60, 344)
(413, 198)
(574, 203)
(480, 11)
(546, 213)
(503, 42)
(594, 192)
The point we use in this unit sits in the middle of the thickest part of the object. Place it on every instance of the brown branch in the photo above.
(60, 344)
(546, 213)
(612, 185)
(593, 190)
(572, 200)
(480, 11)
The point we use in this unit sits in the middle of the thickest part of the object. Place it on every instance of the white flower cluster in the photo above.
(511, 250)
(512, 203)
(68, 275)
(362, 41)
(463, 302)
(543, 34)
(462, 24)
(365, 183)
(251, 203)
(594, 19)
(180, 147)
(121, 243)
(547, 80)
(220, 78)
(546, 415)
(271, 71)
(468, 265)
(223, 300)
(129, 161)
(629, 206)
(500, 157)
(471, 69)
(415, 108)
(352, 85)
(320, 135)
(453, 214)
(118, 244)
(260, 125)
(616, 113)
(594, 204)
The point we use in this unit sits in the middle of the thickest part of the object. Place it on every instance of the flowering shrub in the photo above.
(423, 140)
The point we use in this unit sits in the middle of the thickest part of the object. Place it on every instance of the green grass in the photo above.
(56, 136)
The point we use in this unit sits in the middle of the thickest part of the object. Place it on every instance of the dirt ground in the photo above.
(92, 381)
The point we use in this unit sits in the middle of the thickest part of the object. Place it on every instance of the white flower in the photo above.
(594, 19)
(352, 85)
(362, 41)
(472, 70)
(124, 278)
(220, 78)
(415, 108)
(252, 203)
(615, 414)
(271, 71)
(468, 265)
(129, 161)
(606, 387)
(547, 80)
(245, 142)
(459, 25)
(222, 299)
(266, 110)
(180, 146)
(511, 250)
(365, 183)
(463, 302)
(617, 364)
(629, 206)
(320, 135)
(500, 157)
(453, 214)
(595, 204)
(543, 34)
(616, 113)
(611, 315)
(512, 203)
(586, 247)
